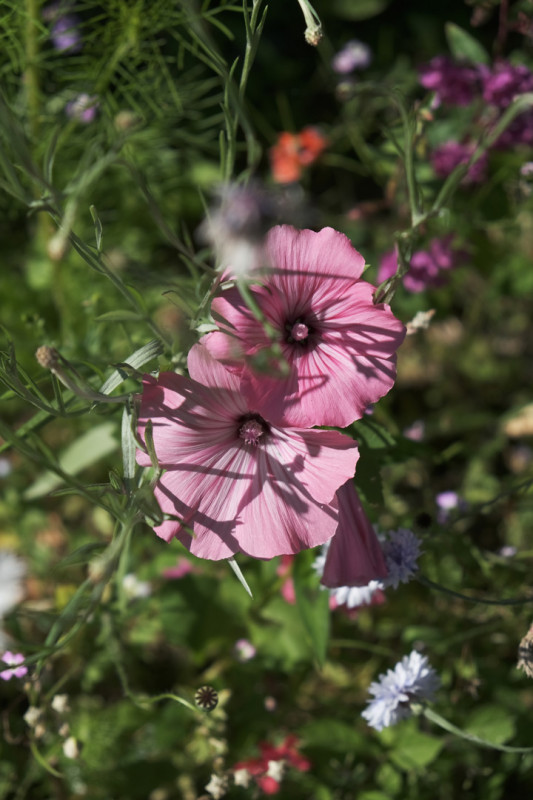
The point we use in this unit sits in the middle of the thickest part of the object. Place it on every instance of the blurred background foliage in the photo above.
(173, 118)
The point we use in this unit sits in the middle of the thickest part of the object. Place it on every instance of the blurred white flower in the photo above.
(70, 747)
(134, 588)
(12, 572)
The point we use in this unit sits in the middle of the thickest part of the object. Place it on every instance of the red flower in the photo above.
(294, 151)
(260, 768)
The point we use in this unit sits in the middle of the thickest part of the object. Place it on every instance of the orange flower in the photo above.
(294, 151)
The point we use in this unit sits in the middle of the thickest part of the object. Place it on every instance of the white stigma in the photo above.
(299, 331)
(251, 431)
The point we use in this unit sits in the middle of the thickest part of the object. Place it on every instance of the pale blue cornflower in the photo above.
(412, 679)
(401, 550)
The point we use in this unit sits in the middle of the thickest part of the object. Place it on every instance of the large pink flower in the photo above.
(235, 481)
(354, 555)
(339, 346)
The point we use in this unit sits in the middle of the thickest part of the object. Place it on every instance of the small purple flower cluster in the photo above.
(426, 267)
(460, 84)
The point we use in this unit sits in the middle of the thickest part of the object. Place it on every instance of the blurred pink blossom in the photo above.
(13, 660)
(446, 157)
(454, 84)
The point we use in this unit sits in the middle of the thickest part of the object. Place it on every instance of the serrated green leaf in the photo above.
(464, 47)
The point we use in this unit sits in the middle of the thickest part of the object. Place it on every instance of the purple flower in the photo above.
(354, 55)
(83, 108)
(446, 157)
(504, 82)
(412, 679)
(401, 551)
(447, 502)
(65, 34)
(426, 265)
(520, 131)
(244, 650)
(13, 660)
(454, 84)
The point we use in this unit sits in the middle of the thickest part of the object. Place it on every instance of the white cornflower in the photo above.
(276, 770)
(32, 716)
(412, 679)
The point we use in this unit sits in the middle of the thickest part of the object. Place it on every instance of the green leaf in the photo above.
(98, 230)
(359, 9)
(122, 315)
(332, 735)
(313, 607)
(129, 446)
(492, 723)
(414, 749)
(464, 47)
(97, 443)
(138, 359)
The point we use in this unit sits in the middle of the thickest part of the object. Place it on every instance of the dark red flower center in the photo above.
(252, 429)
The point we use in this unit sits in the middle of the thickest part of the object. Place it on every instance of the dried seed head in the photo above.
(525, 654)
(206, 698)
(48, 357)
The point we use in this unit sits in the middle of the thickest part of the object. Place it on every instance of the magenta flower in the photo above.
(426, 265)
(339, 347)
(354, 555)
(83, 108)
(454, 84)
(13, 660)
(234, 482)
(504, 82)
(446, 157)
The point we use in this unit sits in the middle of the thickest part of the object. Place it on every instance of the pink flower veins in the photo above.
(340, 347)
(235, 482)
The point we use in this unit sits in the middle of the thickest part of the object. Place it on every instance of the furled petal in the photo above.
(354, 556)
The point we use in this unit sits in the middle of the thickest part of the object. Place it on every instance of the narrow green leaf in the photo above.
(97, 443)
(464, 47)
(98, 230)
(121, 315)
(237, 570)
(138, 359)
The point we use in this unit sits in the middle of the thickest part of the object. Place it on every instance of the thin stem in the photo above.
(515, 601)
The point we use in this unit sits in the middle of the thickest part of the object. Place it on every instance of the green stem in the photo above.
(515, 601)
(432, 716)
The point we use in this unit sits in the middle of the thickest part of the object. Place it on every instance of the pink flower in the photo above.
(339, 347)
(236, 482)
(354, 556)
(182, 568)
(13, 660)
(446, 157)
(454, 84)
(284, 571)
(426, 265)
(504, 82)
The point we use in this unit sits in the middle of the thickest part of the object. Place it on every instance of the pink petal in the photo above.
(227, 495)
(354, 557)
